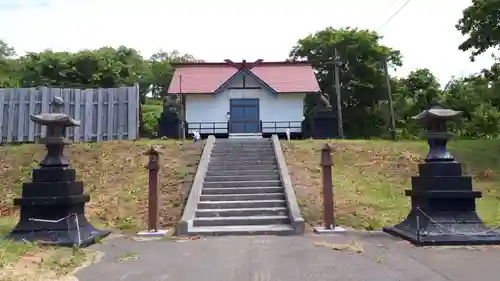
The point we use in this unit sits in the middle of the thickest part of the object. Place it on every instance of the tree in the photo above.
(364, 96)
(159, 71)
(412, 94)
(480, 22)
(6, 51)
(8, 66)
(102, 68)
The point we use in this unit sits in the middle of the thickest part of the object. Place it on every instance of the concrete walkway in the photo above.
(290, 258)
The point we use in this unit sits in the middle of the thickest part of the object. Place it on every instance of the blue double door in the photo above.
(244, 116)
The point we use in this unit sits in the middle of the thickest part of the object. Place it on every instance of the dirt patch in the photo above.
(47, 263)
(370, 178)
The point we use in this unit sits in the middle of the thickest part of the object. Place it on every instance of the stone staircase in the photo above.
(242, 191)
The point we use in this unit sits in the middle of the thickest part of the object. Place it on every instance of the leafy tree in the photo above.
(480, 22)
(8, 66)
(159, 71)
(362, 81)
(6, 51)
(411, 95)
(102, 68)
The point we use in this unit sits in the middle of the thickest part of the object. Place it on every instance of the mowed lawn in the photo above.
(115, 176)
(370, 178)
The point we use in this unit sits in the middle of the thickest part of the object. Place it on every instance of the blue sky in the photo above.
(218, 29)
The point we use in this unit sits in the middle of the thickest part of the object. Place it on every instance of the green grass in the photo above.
(370, 178)
(11, 251)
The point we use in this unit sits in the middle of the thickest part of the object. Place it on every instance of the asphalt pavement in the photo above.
(356, 256)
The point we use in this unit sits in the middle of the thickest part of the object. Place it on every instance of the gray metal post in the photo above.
(336, 74)
(389, 97)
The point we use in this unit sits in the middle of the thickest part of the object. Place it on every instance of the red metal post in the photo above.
(153, 192)
(326, 173)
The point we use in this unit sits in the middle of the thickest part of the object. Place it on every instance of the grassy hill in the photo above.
(369, 182)
(114, 175)
(370, 178)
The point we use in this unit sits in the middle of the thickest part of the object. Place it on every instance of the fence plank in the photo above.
(11, 112)
(20, 121)
(89, 95)
(32, 105)
(119, 114)
(131, 113)
(137, 101)
(65, 96)
(111, 107)
(45, 108)
(78, 104)
(2, 103)
(100, 99)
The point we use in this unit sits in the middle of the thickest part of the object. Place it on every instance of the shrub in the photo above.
(150, 124)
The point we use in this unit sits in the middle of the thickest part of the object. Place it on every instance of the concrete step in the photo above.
(242, 190)
(216, 151)
(245, 157)
(242, 146)
(270, 229)
(241, 204)
(218, 168)
(241, 184)
(243, 140)
(243, 143)
(247, 177)
(245, 136)
(239, 172)
(247, 220)
(242, 151)
(241, 212)
(240, 161)
(242, 197)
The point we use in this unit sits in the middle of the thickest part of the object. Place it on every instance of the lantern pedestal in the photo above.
(443, 208)
(53, 204)
(324, 124)
(53, 210)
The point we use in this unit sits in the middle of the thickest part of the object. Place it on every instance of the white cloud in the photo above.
(218, 29)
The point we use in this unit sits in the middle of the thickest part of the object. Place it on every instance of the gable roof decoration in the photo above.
(211, 78)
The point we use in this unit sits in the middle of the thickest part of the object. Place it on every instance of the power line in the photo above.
(390, 6)
(394, 15)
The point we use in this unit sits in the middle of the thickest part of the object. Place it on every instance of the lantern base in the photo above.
(465, 235)
(83, 236)
(443, 209)
(53, 210)
(324, 124)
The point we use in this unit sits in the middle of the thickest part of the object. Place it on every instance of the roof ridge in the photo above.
(230, 63)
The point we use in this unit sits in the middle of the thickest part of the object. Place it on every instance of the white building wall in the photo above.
(281, 107)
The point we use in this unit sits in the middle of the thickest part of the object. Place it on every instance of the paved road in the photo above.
(291, 258)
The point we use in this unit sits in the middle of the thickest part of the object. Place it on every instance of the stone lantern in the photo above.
(443, 208)
(53, 204)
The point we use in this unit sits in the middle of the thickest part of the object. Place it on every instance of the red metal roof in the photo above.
(283, 77)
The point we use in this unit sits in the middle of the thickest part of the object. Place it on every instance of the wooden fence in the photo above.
(105, 114)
